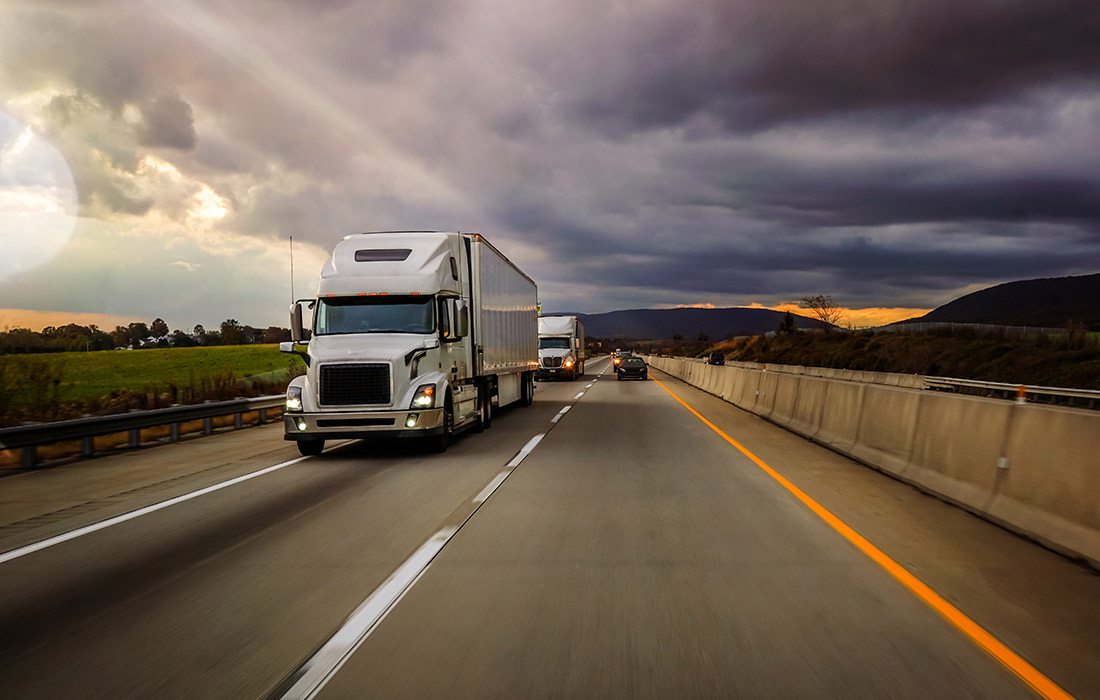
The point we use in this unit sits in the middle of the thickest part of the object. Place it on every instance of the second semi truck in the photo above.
(561, 347)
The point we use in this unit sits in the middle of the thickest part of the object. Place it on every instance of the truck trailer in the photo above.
(414, 334)
(561, 347)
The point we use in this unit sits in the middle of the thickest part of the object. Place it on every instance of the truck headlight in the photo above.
(293, 398)
(569, 363)
(424, 396)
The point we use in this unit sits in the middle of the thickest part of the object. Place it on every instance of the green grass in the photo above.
(89, 380)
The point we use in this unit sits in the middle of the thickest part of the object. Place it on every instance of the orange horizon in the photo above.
(37, 320)
(857, 317)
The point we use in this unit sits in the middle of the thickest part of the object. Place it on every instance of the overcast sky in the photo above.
(155, 156)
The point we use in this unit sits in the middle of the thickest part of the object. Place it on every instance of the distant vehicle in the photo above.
(716, 358)
(616, 358)
(561, 347)
(415, 334)
(632, 367)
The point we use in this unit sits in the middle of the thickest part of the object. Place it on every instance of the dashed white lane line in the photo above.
(491, 486)
(579, 395)
(589, 385)
(331, 657)
(560, 414)
(126, 517)
(525, 450)
(323, 665)
(315, 673)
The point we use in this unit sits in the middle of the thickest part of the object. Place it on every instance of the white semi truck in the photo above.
(561, 347)
(415, 334)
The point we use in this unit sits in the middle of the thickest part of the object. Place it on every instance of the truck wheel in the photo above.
(441, 442)
(485, 412)
(526, 389)
(310, 448)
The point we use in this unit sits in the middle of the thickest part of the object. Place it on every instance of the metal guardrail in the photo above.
(1020, 391)
(29, 437)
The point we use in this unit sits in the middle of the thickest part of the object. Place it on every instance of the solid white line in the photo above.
(323, 665)
(492, 486)
(579, 395)
(125, 517)
(525, 450)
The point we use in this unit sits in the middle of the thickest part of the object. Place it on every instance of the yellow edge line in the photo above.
(990, 644)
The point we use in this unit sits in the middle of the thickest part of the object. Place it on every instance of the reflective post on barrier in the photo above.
(1021, 394)
(30, 457)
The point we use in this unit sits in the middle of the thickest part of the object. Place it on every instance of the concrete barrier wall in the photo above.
(1033, 469)
(888, 418)
(786, 394)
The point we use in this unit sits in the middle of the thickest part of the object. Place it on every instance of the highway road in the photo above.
(616, 539)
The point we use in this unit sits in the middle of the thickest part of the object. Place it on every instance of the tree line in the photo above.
(135, 336)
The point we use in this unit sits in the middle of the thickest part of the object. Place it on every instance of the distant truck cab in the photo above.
(561, 347)
(415, 334)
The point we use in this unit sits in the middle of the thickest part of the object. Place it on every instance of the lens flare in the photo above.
(38, 204)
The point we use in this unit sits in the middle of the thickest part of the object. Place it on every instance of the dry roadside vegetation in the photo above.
(1065, 360)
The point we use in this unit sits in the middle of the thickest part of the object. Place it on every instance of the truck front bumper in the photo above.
(548, 372)
(367, 424)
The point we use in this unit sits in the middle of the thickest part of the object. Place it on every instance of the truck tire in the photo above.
(484, 412)
(440, 443)
(527, 389)
(310, 448)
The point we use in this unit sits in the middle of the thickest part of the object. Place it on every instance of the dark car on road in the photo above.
(632, 367)
(716, 358)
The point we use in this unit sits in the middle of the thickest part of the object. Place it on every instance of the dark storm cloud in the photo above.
(754, 64)
(888, 153)
(167, 121)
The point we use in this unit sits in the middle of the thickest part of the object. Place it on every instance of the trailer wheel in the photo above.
(527, 389)
(310, 448)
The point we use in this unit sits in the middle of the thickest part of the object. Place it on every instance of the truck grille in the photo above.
(551, 362)
(353, 385)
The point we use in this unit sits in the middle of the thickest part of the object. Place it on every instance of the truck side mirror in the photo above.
(461, 317)
(296, 330)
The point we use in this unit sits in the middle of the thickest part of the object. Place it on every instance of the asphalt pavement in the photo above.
(604, 542)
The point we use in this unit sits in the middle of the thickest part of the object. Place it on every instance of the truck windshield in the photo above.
(376, 314)
(553, 343)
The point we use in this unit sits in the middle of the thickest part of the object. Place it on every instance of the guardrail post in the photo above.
(237, 420)
(87, 447)
(30, 457)
(135, 437)
(263, 416)
(175, 432)
(207, 426)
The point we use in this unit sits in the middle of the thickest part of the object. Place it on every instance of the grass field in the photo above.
(91, 379)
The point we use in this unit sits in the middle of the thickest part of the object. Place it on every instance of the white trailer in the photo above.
(561, 347)
(415, 334)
